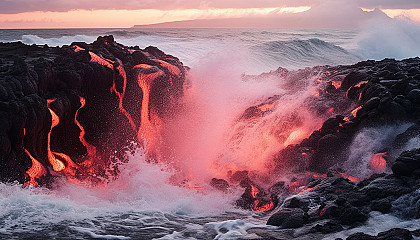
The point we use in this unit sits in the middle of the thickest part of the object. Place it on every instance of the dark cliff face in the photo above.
(105, 75)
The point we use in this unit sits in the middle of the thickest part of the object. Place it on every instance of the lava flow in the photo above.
(37, 170)
(260, 204)
(148, 130)
(55, 163)
(89, 148)
(110, 64)
(69, 168)
(354, 112)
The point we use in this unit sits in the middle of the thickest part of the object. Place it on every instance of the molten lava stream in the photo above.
(257, 206)
(120, 96)
(110, 64)
(36, 170)
(351, 178)
(89, 148)
(55, 163)
(147, 131)
(58, 165)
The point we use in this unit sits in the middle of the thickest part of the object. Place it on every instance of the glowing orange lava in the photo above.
(254, 191)
(336, 84)
(148, 130)
(121, 95)
(171, 68)
(330, 110)
(360, 84)
(264, 207)
(36, 170)
(354, 112)
(268, 106)
(90, 149)
(295, 137)
(77, 48)
(351, 178)
(378, 162)
(55, 163)
(110, 64)
(257, 205)
(304, 189)
(293, 186)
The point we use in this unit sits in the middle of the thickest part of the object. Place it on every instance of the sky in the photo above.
(125, 14)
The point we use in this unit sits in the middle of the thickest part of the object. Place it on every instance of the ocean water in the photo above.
(143, 203)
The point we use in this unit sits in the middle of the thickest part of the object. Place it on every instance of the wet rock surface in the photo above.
(370, 94)
(104, 74)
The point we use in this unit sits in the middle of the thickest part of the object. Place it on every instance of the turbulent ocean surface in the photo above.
(141, 203)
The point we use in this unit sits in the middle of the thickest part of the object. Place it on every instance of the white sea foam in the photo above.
(58, 41)
(392, 38)
(377, 223)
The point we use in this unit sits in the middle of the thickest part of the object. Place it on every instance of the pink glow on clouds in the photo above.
(242, 13)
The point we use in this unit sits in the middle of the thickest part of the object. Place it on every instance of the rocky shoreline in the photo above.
(383, 93)
(98, 93)
(34, 79)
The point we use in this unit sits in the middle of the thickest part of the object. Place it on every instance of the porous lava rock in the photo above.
(104, 74)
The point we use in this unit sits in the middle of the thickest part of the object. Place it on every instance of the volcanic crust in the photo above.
(105, 76)
(97, 93)
(382, 93)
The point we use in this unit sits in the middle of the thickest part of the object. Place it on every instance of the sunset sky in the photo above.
(124, 14)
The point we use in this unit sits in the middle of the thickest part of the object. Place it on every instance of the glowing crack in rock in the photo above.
(121, 71)
(354, 112)
(351, 178)
(89, 148)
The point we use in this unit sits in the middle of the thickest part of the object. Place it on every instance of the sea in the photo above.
(142, 203)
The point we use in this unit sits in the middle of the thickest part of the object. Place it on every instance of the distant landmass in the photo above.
(316, 17)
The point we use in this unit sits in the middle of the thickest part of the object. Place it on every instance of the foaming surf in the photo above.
(172, 199)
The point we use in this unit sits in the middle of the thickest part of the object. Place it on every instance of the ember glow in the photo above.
(263, 207)
(378, 162)
(268, 106)
(351, 178)
(354, 112)
(260, 205)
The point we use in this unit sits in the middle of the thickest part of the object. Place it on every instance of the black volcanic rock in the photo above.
(288, 218)
(361, 236)
(29, 75)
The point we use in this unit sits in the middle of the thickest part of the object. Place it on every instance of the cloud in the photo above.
(19, 6)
